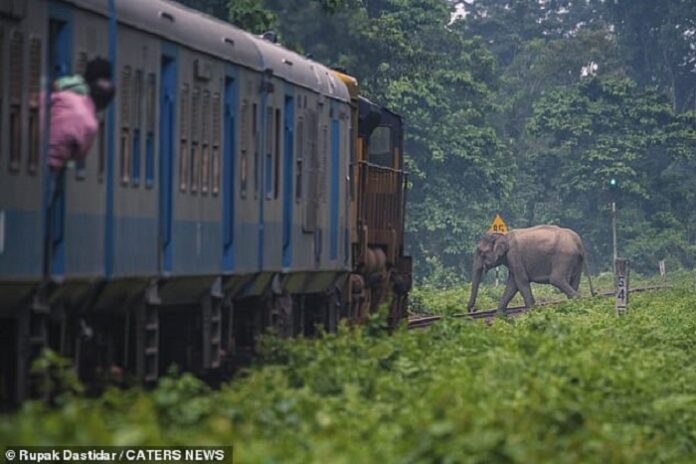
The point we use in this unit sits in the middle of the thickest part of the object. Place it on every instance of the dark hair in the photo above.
(97, 68)
(102, 92)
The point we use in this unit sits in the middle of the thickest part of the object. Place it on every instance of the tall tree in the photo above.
(604, 128)
(659, 39)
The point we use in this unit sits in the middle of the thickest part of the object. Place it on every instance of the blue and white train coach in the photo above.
(215, 201)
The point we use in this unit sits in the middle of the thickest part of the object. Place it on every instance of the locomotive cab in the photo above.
(380, 201)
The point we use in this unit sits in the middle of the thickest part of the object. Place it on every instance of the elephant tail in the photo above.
(586, 268)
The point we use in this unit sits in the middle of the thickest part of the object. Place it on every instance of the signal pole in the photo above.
(613, 187)
(613, 228)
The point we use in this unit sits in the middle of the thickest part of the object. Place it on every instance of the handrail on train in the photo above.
(378, 166)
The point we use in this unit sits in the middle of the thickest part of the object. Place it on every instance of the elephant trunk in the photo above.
(476, 274)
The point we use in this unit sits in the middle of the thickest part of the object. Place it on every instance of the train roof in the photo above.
(194, 29)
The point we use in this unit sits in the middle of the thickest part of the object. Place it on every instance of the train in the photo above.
(233, 186)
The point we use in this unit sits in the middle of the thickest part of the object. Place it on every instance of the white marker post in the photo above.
(622, 271)
(661, 265)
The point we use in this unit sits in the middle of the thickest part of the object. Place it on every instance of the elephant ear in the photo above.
(501, 246)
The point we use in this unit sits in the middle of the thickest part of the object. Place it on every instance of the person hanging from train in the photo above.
(73, 124)
(75, 102)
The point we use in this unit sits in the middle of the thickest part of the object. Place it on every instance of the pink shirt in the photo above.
(73, 127)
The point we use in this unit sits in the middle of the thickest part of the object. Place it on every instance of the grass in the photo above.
(567, 383)
(434, 300)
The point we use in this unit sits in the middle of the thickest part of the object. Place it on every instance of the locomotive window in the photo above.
(183, 135)
(195, 134)
(205, 139)
(137, 122)
(217, 120)
(379, 147)
(150, 139)
(244, 158)
(16, 80)
(300, 158)
(34, 92)
(125, 119)
(270, 131)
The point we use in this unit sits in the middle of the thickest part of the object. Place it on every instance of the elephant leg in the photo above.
(561, 284)
(575, 280)
(525, 289)
(508, 294)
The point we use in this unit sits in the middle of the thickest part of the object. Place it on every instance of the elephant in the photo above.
(543, 254)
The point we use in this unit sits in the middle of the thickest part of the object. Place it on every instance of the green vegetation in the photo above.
(452, 299)
(569, 383)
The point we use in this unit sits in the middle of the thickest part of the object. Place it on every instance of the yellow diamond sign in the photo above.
(498, 225)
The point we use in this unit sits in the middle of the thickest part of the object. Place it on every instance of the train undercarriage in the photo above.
(140, 338)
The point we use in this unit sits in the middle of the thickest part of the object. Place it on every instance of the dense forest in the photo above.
(523, 107)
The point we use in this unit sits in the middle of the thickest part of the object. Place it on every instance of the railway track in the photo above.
(419, 322)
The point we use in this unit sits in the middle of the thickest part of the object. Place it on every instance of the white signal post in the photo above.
(613, 229)
(613, 186)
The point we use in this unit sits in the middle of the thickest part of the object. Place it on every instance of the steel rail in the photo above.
(419, 322)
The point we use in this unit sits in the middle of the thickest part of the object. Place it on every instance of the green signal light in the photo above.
(612, 182)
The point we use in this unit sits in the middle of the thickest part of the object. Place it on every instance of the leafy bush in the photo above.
(569, 383)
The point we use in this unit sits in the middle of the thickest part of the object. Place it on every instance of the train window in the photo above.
(217, 121)
(270, 132)
(80, 169)
(101, 144)
(311, 203)
(195, 134)
(2, 86)
(137, 121)
(278, 126)
(34, 92)
(299, 158)
(205, 140)
(352, 157)
(81, 63)
(379, 147)
(150, 137)
(322, 160)
(183, 135)
(254, 137)
(125, 94)
(16, 80)
(244, 146)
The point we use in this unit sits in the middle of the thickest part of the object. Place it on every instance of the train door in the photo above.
(288, 172)
(59, 60)
(168, 82)
(228, 191)
(335, 182)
